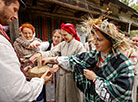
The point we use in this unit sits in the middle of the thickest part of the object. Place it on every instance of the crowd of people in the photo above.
(105, 69)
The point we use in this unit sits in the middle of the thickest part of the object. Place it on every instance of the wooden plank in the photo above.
(36, 12)
(67, 5)
(14, 32)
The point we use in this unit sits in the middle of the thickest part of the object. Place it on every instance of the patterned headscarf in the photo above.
(71, 30)
(31, 27)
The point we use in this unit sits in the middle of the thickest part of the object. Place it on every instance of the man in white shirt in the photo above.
(13, 84)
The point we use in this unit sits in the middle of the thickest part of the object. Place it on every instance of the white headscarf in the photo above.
(24, 38)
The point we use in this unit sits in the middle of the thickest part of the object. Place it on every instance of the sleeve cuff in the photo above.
(56, 60)
(95, 79)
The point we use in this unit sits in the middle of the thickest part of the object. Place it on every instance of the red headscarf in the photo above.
(71, 30)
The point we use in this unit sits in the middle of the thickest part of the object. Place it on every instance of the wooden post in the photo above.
(14, 30)
(129, 28)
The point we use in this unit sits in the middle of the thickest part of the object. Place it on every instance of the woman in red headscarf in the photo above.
(69, 32)
(66, 90)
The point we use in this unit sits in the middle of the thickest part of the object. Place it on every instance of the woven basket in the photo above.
(37, 72)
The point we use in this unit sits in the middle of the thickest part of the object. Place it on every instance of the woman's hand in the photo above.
(55, 68)
(48, 59)
(35, 57)
(89, 74)
(47, 76)
(45, 60)
(34, 44)
(135, 73)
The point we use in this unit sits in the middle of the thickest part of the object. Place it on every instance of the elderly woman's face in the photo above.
(66, 36)
(101, 43)
(28, 34)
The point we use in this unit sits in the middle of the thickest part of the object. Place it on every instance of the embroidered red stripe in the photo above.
(132, 56)
(100, 58)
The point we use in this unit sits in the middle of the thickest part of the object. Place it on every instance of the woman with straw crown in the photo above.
(104, 74)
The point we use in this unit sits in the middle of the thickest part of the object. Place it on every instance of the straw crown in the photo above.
(119, 40)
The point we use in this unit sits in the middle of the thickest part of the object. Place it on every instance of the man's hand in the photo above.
(47, 76)
(23, 60)
(26, 69)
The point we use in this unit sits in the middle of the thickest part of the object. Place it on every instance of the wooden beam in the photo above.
(80, 14)
(72, 6)
(38, 12)
(54, 8)
(66, 5)
(34, 3)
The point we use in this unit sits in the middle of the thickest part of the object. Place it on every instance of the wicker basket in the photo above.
(37, 72)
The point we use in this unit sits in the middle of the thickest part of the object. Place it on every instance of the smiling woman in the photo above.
(26, 44)
(100, 40)
(28, 31)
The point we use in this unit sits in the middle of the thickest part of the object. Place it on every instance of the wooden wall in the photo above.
(44, 26)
